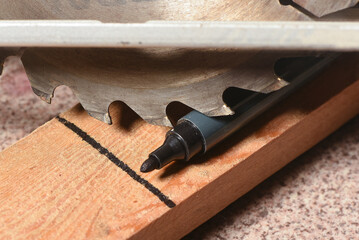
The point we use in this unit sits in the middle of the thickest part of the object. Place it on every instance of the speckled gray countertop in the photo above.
(314, 197)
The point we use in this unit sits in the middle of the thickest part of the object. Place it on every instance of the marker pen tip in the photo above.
(149, 165)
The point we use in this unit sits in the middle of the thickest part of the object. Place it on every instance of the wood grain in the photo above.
(55, 185)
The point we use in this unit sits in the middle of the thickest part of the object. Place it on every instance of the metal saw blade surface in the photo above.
(147, 80)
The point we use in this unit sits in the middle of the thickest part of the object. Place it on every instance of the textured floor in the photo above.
(314, 197)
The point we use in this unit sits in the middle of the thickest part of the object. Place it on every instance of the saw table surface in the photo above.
(76, 177)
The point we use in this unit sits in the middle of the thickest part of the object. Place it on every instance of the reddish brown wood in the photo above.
(54, 185)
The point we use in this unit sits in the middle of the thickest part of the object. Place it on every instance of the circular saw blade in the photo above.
(147, 80)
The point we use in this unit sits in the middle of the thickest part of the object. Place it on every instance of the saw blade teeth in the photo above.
(103, 117)
(40, 84)
(157, 115)
(99, 111)
(44, 89)
(221, 111)
(46, 97)
(160, 121)
(102, 81)
(213, 104)
(276, 85)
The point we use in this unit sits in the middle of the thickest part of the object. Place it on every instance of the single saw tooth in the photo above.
(46, 97)
(321, 8)
(257, 74)
(43, 88)
(221, 110)
(100, 111)
(157, 116)
(210, 101)
(102, 116)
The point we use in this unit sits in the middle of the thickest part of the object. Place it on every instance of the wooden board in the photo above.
(78, 178)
